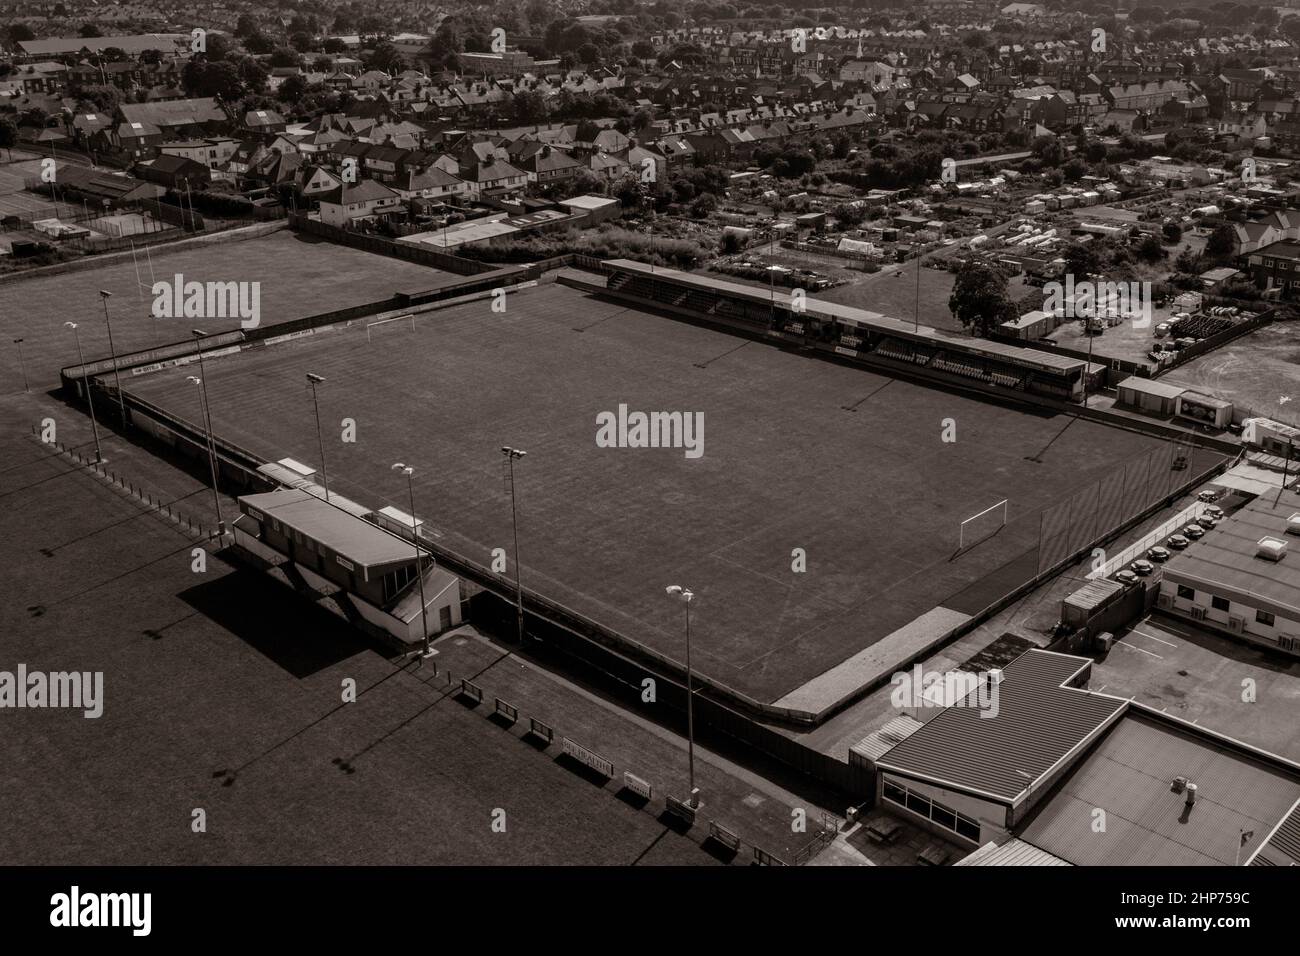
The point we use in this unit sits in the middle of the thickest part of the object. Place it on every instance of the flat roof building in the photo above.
(338, 551)
(1058, 774)
(1231, 582)
(1154, 398)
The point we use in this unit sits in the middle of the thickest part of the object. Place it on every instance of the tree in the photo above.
(8, 135)
(528, 107)
(201, 78)
(1081, 261)
(258, 44)
(1173, 233)
(21, 33)
(98, 98)
(385, 57)
(849, 215)
(979, 299)
(1150, 250)
(90, 30)
(1221, 242)
(704, 205)
(284, 57)
(292, 90)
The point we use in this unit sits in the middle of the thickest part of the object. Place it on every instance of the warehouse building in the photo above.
(1243, 578)
(1065, 775)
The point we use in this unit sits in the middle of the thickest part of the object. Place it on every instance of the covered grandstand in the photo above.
(854, 333)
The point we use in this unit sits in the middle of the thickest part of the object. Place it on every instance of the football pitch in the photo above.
(822, 515)
(297, 276)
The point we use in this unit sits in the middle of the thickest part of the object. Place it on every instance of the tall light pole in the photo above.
(685, 596)
(511, 454)
(1087, 327)
(21, 365)
(408, 471)
(199, 335)
(212, 458)
(916, 306)
(85, 383)
(112, 352)
(313, 380)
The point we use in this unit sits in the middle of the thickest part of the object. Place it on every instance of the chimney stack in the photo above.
(1191, 795)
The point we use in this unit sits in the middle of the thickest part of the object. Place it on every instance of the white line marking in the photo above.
(1153, 637)
(1138, 649)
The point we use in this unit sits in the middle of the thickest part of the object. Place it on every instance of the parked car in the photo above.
(1194, 531)
(1210, 494)
(1177, 542)
(1126, 577)
(1162, 330)
(1142, 566)
(1215, 512)
(1158, 553)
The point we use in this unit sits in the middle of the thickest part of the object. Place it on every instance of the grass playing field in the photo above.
(847, 465)
(299, 276)
(222, 693)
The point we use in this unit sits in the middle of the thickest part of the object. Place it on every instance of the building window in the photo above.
(1263, 617)
(1219, 604)
(1186, 593)
(937, 813)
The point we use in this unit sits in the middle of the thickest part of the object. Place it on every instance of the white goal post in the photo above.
(986, 527)
(396, 318)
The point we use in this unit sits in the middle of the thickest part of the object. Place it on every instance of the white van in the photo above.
(1162, 330)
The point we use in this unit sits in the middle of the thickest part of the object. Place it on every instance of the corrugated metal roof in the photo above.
(887, 737)
(1011, 853)
(1129, 775)
(347, 534)
(1283, 845)
(864, 318)
(1038, 724)
(1094, 594)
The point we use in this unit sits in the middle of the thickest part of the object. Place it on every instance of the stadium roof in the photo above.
(1130, 775)
(1040, 723)
(1225, 562)
(874, 321)
(349, 535)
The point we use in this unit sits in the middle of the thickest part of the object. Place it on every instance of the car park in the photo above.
(1177, 542)
(1142, 566)
(1158, 553)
